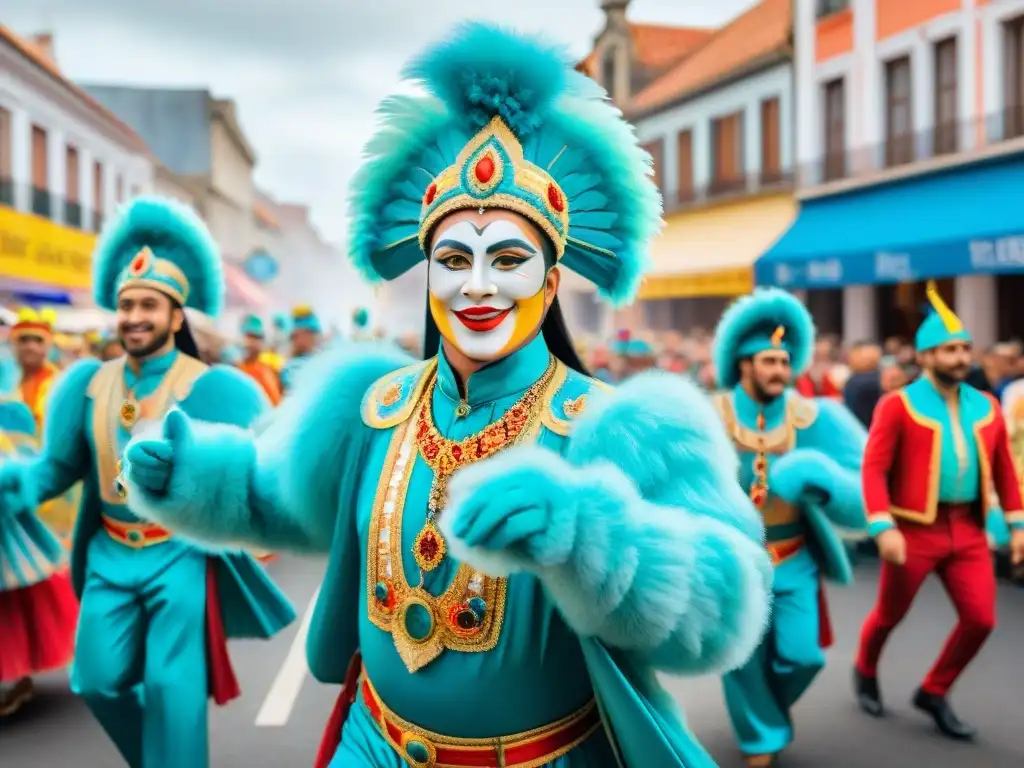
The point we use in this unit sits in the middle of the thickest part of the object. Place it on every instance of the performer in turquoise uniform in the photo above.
(155, 609)
(517, 614)
(306, 332)
(800, 458)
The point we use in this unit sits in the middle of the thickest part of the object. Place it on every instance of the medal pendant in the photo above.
(429, 548)
(129, 413)
(417, 632)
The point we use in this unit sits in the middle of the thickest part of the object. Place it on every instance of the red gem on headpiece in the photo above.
(484, 170)
(555, 198)
(431, 194)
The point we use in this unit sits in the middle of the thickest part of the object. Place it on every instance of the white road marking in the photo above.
(284, 692)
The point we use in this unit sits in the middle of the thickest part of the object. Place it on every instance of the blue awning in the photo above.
(962, 221)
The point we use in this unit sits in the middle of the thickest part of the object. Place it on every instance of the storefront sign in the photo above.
(38, 251)
(722, 282)
(1000, 255)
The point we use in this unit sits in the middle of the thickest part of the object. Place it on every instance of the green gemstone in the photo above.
(418, 751)
(419, 622)
(479, 607)
(380, 591)
(134, 536)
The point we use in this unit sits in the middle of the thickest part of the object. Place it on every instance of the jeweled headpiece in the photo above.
(506, 123)
(161, 244)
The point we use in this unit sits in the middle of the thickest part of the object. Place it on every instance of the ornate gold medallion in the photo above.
(429, 548)
(129, 412)
(415, 633)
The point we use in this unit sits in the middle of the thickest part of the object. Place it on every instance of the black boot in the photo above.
(942, 713)
(869, 698)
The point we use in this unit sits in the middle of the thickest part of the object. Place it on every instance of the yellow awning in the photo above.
(711, 251)
(37, 250)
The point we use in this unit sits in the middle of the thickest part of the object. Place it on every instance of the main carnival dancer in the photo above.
(800, 458)
(38, 607)
(515, 615)
(934, 450)
(155, 610)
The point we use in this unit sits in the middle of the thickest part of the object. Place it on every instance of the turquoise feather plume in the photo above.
(172, 231)
(565, 125)
(761, 313)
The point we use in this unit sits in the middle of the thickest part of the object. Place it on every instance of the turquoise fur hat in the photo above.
(638, 348)
(361, 317)
(305, 319)
(158, 243)
(769, 318)
(506, 123)
(941, 326)
(252, 326)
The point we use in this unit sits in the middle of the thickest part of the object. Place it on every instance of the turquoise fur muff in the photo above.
(159, 243)
(768, 318)
(506, 123)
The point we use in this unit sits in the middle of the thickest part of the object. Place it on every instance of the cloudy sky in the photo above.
(306, 74)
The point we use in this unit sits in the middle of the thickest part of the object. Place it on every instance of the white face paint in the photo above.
(486, 287)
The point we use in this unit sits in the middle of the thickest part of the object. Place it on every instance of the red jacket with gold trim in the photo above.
(900, 473)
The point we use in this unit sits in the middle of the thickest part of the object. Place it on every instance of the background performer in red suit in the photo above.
(934, 449)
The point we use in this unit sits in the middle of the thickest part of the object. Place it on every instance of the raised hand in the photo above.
(149, 463)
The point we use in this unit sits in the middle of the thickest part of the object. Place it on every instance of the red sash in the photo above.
(346, 698)
(222, 683)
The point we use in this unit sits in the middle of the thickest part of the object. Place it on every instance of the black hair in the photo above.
(183, 338)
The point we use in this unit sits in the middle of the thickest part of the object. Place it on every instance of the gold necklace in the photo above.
(445, 456)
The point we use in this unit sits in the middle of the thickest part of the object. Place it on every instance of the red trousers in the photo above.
(956, 548)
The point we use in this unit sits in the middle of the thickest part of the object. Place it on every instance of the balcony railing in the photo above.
(906, 149)
(42, 202)
(73, 214)
(757, 182)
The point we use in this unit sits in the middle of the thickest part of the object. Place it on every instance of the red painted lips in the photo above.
(482, 319)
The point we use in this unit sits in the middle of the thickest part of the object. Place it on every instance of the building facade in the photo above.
(910, 146)
(66, 162)
(206, 161)
(714, 108)
(295, 265)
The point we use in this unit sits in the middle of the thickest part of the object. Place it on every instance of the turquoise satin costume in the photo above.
(29, 552)
(143, 651)
(606, 542)
(813, 449)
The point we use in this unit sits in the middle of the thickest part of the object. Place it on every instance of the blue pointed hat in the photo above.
(252, 326)
(154, 242)
(506, 123)
(769, 318)
(941, 326)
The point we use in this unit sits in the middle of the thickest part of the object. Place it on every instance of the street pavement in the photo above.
(278, 721)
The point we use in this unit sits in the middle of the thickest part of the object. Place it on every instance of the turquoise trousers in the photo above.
(760, 694)
(140, 657)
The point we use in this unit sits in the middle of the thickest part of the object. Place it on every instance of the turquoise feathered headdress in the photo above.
(769, 318)
(305, 319)
(158, 243)
(506, 123)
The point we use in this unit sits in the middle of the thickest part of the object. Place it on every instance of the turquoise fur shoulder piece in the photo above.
(319, 427)
(392, 398)
(750, 325)
(571, 400)
(225, 395)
